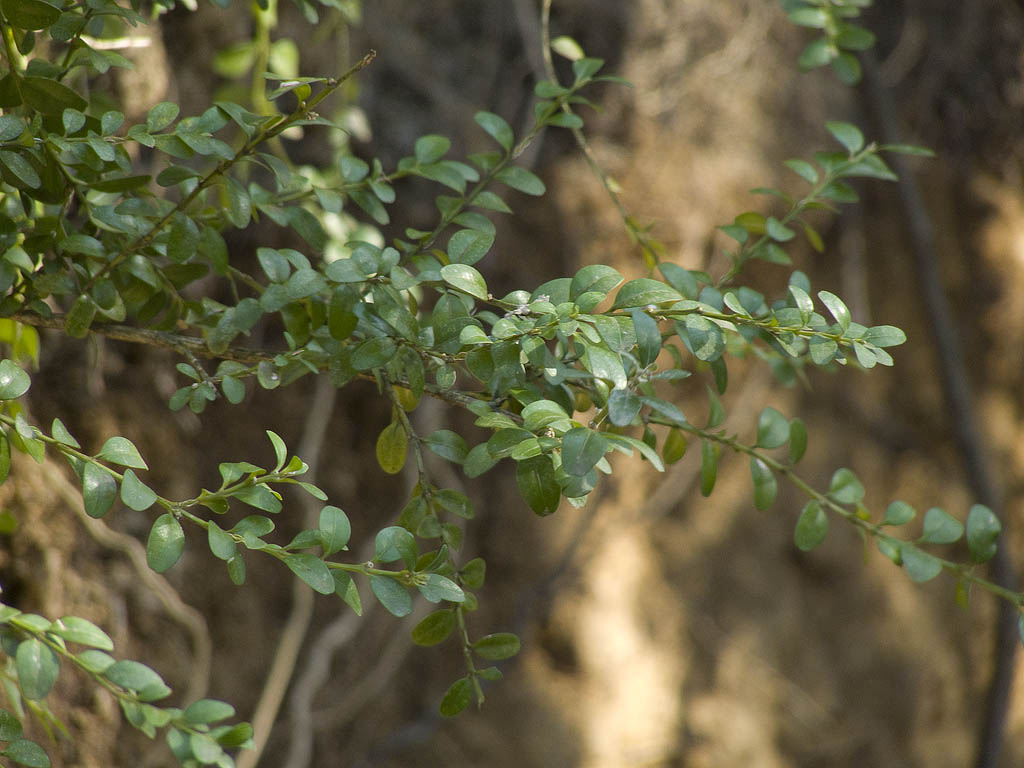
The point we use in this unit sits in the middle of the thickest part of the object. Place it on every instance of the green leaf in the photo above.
(496, 128)
(136, 677)
(121, 450)
(983, 530)
(437, 588)
(845, 487)
(847, 134)
(457, 697)
(28, 753)
(490, 202)
(373, 353)
(898, 513)
(236, 570)
(772, 429)
(80, 317)
(48, 96)
(466, 279)
(434, 628)
(37, 667)
(221, 543)
(567, 48)
(521, 180)
(99, 489)
(478, 461)
(776, 230)
(395, 543)
(797, 440)
(804, 169)
(605, 364)
(473, 573)
(885, 336)
(847, 68)
(766, 486)
(648, 337)
(393, 596)
(837, 307)
(812, 527)
(809, 17)
(78, 630)
(644, 292)
(538, 484)
(260, 497)
(392, 445)
(14, 382)
(430, 149)
(623, 407)
(96, 661)
(30, 14)
(21, 168)
(11, 127)
(674, 447)
(335, 530)
(136, 494)
(709, 453)
(312, 570)
(940, 527)
(501, 645)
(920, 566)
(703, 337)
(468, 246)
(206, 711)
(161, 116)
(165, 544)
(582, 448)
(448, 445)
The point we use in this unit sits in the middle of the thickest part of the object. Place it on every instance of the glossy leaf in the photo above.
(766, 486)
(496, 128)
(99, 489)
(335, 529)
(920, 565)
(392, 445)
(27, 753)
(709, 453)
(845, 487)
(120, 450)
(221, 543)
(772, 429)
(983, 530)
(898, 513)
(940, 527)
(393, 596)
(78, 630)
(135, 494)
(37, 668)
(434, 628)
(457, 697)
(312, 570)
(165, 544)
(582, 448)
(14, 382)
(811, 527)
(496, 647)
(538, 484)
(466, 279)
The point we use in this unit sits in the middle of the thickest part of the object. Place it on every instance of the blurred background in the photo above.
(659, 628)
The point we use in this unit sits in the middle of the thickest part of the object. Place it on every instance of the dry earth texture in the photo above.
(659, 628)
